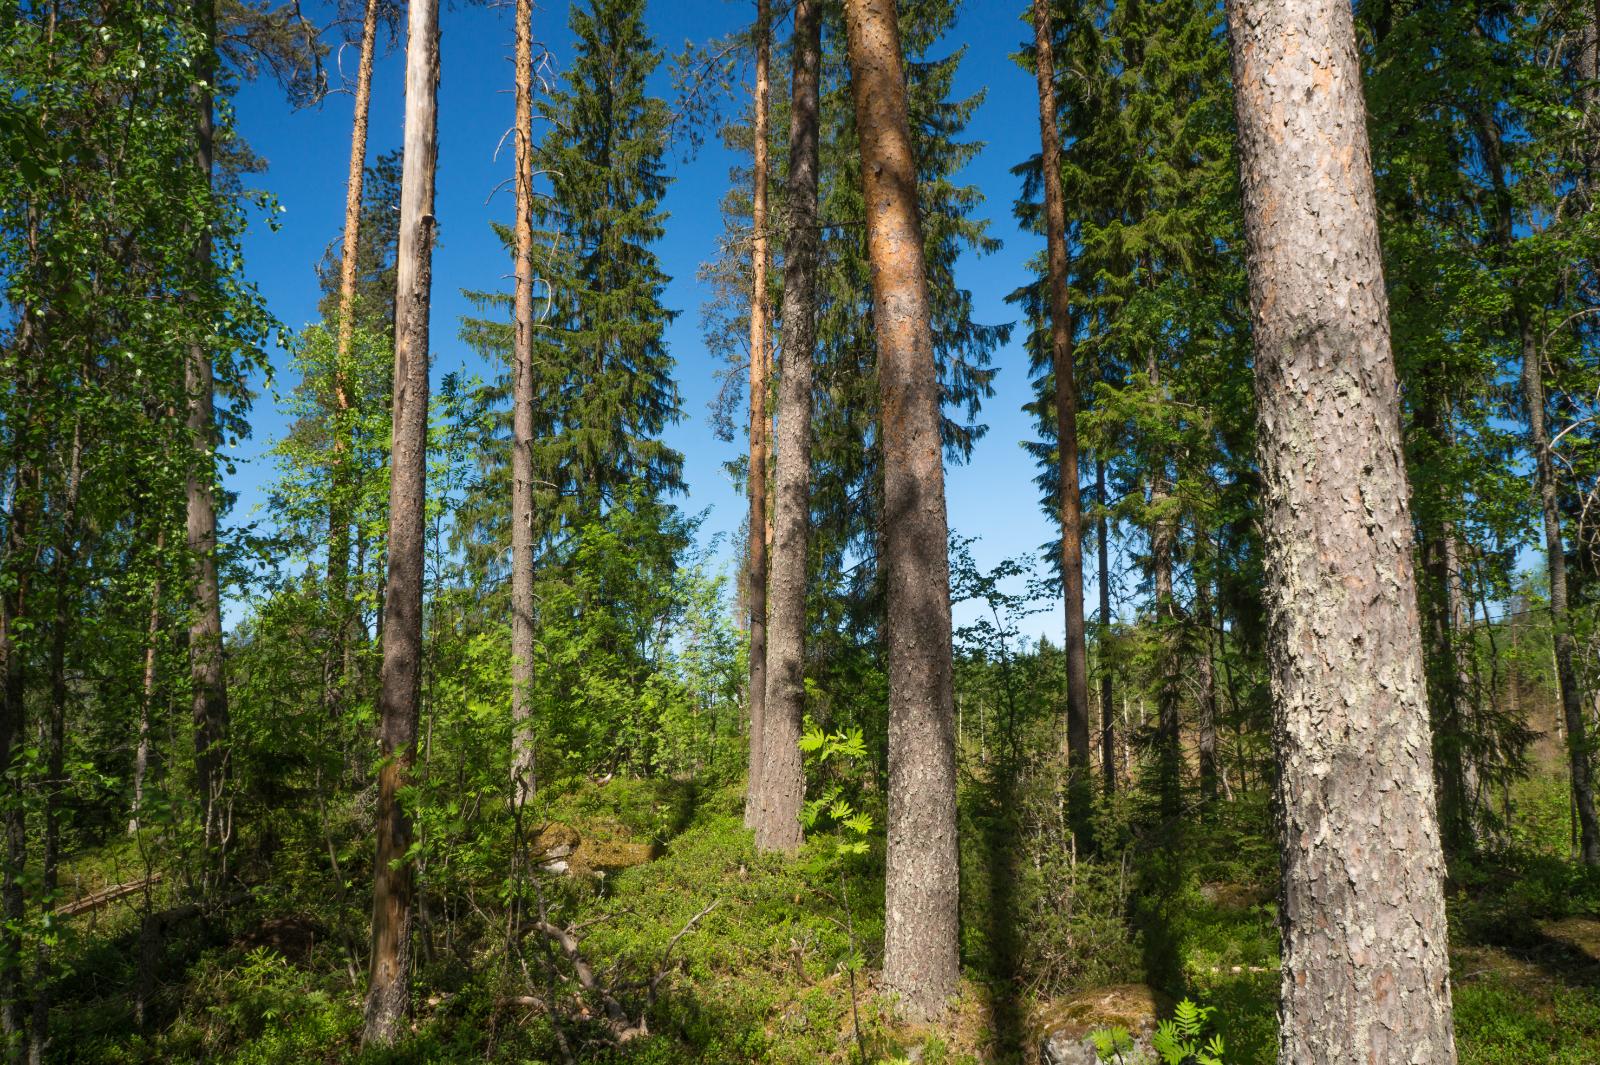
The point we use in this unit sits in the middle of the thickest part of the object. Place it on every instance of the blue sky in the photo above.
(307, 152)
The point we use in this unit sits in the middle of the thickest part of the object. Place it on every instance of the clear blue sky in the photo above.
(307, 152)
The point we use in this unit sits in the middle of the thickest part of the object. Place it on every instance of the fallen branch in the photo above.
(96, 899)
(621, 1026)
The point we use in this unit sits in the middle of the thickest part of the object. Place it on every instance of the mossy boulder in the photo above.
(1063, 1026)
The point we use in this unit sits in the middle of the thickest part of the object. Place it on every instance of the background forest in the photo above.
(593, 856)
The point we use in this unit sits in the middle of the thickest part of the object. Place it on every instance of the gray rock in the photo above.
(1062, 1048)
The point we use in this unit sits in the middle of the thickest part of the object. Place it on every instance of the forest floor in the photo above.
(758, 959)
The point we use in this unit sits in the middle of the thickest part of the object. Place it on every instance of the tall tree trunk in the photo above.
(1168, 632)
(147, 693)
(783, 781)
(760, 357)
(400, 683)
(1533, 395)
(1366, 978)
(1108, 733)
(210, 706)
(1071, 507)
(349, 263)
(920, 961)
(55, 734)
(1206, 682)
(13, 721)
(522, 636)
(1556, 564)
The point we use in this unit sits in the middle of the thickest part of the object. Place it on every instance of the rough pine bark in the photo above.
(1365, 971)
(400, 680)
(522, 422)
(760, 356)
(1206, 683)
(783, 782)
(920, 961)
(339, 503)
(209, 683)
(1066, 401)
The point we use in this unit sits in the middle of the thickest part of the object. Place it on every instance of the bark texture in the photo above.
(783, 782)
(1365, 971)
(522, 423)
(920, 961)
(1066, 397)
(210, 706)
(339, 507)
(760, 355)
(400, 682)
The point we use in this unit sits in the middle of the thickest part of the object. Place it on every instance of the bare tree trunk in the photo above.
(334, 666)
(210, 707)
(1108, 733)
(1163, 546)
(522, 399)
(1366, 976)
(399, 691)
(760, 357)
(921, 963)
(783, 781)
(1071, 507)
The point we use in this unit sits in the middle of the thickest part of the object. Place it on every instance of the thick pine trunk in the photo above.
(1066, 402)
(921, 963)
(210, 705)
(783, 781)
(400, 682)
(334, 665)
(522, 635)
(760, 357)
(1365, 969)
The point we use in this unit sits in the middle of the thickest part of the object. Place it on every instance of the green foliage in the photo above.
(852, 827)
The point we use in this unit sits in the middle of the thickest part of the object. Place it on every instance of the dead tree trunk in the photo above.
(339, 488)
(522, 424)
(760, 355)
(921, 963)
(783, 782)
(400, 684)
(1366, 977)
(147, 692)
(1066, 398)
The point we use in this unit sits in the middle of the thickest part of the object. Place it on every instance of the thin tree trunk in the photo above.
(921, 961)
(1206, 680)
(147, 695)
(13, 723)
(210, 706)
(1533, 395)
(1556, 564)
(399, 688)
(1366, 977)
(334, 669)
(1163, 546)
(522, 422)
(760, 355)
(55, 734)
(783, 781)
(1108, 733)
(1066, 398)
